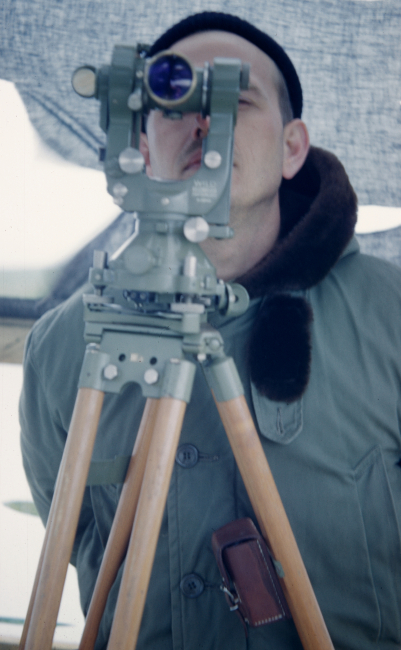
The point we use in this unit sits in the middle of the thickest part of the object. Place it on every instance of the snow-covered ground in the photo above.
(21, 534)
(49, 208)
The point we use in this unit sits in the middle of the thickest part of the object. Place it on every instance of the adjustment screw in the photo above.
(212, 159)
(196, 229)
(110, 372)
(119, 190)
(135, 101)
(151, 376)
(214, 344)
(131, 161)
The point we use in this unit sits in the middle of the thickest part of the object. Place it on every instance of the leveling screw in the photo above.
(110, 371)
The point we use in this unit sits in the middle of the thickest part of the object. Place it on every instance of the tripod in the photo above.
(167, 383)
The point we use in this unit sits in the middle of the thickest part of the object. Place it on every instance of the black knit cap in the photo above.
(209, 20)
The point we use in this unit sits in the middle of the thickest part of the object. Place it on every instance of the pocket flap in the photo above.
(278, 421)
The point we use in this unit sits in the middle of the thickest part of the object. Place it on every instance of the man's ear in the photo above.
(296, 147)
(144, 149)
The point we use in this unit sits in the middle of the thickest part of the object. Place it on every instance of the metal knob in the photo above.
(196, 229)
(131, 160)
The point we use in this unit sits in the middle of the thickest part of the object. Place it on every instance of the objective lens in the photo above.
(84, 81)
(170, 78)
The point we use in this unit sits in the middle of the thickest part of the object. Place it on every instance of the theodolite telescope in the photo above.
(161, 269)
(131, 87)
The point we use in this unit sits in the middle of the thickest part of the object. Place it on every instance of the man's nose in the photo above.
(200, 127)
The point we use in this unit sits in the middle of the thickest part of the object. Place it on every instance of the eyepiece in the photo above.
(170, 79)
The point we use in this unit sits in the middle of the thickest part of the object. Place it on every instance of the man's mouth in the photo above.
(193, 163)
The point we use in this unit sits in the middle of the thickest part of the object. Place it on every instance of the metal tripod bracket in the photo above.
(157, 363)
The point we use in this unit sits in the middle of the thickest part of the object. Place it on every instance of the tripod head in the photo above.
(161, 272)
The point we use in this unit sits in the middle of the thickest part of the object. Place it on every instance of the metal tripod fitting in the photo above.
(237, 300)
(178, 379)
(223, 378)
(156, 363)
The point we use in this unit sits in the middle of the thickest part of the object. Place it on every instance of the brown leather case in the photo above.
(250, 582)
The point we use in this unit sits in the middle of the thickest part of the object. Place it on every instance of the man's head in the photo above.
(267, 147)
(288, 84)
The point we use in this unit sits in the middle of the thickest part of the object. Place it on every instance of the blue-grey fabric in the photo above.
(347, 54)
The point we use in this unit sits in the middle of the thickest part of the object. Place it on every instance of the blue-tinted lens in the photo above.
(170, 77)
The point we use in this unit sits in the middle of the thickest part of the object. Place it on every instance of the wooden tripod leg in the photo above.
(28, 616)
(122, 526)
(269, 510)
(145, 533)
(63, 521)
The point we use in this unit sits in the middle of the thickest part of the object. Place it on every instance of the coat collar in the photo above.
(318, 216)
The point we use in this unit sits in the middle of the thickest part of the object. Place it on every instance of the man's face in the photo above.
(175, 146)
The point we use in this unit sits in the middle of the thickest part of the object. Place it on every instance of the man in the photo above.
(318, 353)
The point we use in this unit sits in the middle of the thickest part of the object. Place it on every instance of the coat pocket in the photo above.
(277, 421)
(382, 540)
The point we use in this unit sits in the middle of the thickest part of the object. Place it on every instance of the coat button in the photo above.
(192, 585)
(187, 456)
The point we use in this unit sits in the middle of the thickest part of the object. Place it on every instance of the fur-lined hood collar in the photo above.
(318, 216)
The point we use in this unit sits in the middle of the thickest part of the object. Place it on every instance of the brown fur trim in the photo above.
(318, 215)
(312, 241)
(280, 348)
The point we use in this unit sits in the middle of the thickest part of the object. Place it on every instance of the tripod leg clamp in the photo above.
(92, 368)
(223, 379)
(178, 379)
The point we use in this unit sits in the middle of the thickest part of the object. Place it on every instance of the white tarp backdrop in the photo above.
(347, 53)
